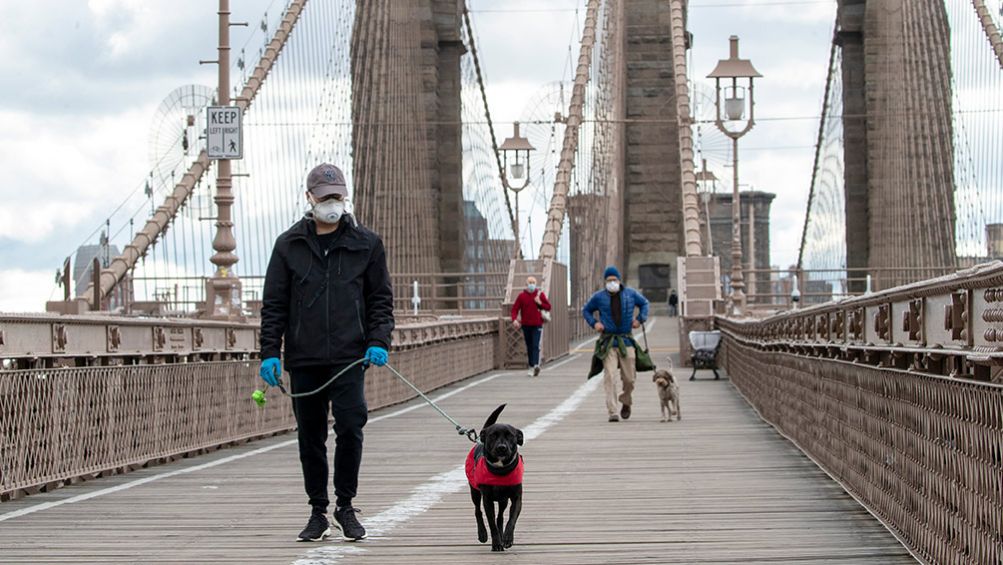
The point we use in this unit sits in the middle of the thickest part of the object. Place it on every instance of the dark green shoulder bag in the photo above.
(642, 359)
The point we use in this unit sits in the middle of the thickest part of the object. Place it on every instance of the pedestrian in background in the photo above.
(528, 314)
(615, 348)
(673, 303)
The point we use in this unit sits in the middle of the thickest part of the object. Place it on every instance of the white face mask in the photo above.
(329, 211)
(613, 286)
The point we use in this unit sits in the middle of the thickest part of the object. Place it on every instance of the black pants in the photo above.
(532, 335)
(347, 402)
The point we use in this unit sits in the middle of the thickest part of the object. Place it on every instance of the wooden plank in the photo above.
(718, 487)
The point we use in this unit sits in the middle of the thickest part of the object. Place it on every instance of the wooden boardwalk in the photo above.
(719, 487)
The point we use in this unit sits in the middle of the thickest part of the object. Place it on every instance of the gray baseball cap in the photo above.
(325, 180)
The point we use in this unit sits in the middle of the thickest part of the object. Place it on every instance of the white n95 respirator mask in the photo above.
(329, 211)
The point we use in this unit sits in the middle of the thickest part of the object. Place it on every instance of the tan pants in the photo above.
(626, 369)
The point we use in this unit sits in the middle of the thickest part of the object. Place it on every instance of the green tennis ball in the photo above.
(259, 398)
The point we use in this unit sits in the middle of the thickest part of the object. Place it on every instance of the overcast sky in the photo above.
(80, 81)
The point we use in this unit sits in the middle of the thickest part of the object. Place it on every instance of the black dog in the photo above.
(494, 471)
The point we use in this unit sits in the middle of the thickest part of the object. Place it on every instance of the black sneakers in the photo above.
(316, 529)
(625, 411)
(349, 525)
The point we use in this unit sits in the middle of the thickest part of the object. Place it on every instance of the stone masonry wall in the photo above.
(653, 197)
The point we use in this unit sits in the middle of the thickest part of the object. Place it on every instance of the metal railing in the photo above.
(439, 293)
(898, 395)
(772, 288)
(170, 388)
(449, 293)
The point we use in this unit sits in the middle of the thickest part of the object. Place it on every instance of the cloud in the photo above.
(523, 42)
(80, 81)
(807, 13)
(54, 177)
(79, 84)
(68, 57)
(25, 291)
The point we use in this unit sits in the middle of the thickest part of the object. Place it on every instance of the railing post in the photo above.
(67, 278)
(415, 299)
(435, 295)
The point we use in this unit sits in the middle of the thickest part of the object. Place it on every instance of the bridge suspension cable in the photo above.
(589, 180)
(348, 91)
(691, 210)
(562, 183)
(927, 134)
(166, 214)
(976, 89)
(468, 32)
(990, 27)
(823, 238)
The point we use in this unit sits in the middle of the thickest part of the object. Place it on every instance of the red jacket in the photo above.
(478, 474)
(526, 304)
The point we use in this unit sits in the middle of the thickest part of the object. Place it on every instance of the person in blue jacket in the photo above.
(616, 306)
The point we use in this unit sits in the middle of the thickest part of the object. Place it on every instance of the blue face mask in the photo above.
(531, 287)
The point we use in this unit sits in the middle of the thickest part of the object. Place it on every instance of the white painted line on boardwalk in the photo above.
(560, 363)
(102, 492)
(435, 489)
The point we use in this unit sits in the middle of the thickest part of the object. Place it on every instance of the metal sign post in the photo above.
(224, 140)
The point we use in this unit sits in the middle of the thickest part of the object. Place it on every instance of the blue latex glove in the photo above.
(271, 370)
(377, 356)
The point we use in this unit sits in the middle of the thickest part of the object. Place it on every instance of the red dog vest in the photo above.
(478, 473)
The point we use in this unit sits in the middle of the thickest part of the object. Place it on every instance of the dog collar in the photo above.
(502, 470)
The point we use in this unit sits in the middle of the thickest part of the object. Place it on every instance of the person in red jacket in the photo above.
(527, 306)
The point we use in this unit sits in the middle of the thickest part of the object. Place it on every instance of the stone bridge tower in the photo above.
(898, 135)
(653, 221)
(410, 157)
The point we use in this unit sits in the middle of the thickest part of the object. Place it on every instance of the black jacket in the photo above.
(331, 307)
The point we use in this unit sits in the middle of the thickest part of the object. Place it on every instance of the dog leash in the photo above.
(259, 396)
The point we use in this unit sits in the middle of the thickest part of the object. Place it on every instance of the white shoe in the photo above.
(530, 372)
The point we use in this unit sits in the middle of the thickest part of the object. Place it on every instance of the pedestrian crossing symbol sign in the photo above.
(224, 132)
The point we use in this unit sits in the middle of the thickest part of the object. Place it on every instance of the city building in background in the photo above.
(720, 227)
(83, 273)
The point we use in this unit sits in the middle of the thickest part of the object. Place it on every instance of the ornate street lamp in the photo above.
(736, 98)
(516, 149)
(706, 188)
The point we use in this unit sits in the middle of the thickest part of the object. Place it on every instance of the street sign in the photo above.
(224, 134)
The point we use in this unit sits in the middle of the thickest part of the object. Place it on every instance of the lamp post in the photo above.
(707, 187)
(732, 69)
(518, 148)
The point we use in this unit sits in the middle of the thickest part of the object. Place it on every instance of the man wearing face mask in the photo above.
(616, 307)
(328, 295)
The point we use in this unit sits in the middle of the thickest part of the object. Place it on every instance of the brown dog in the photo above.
(668, 393)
